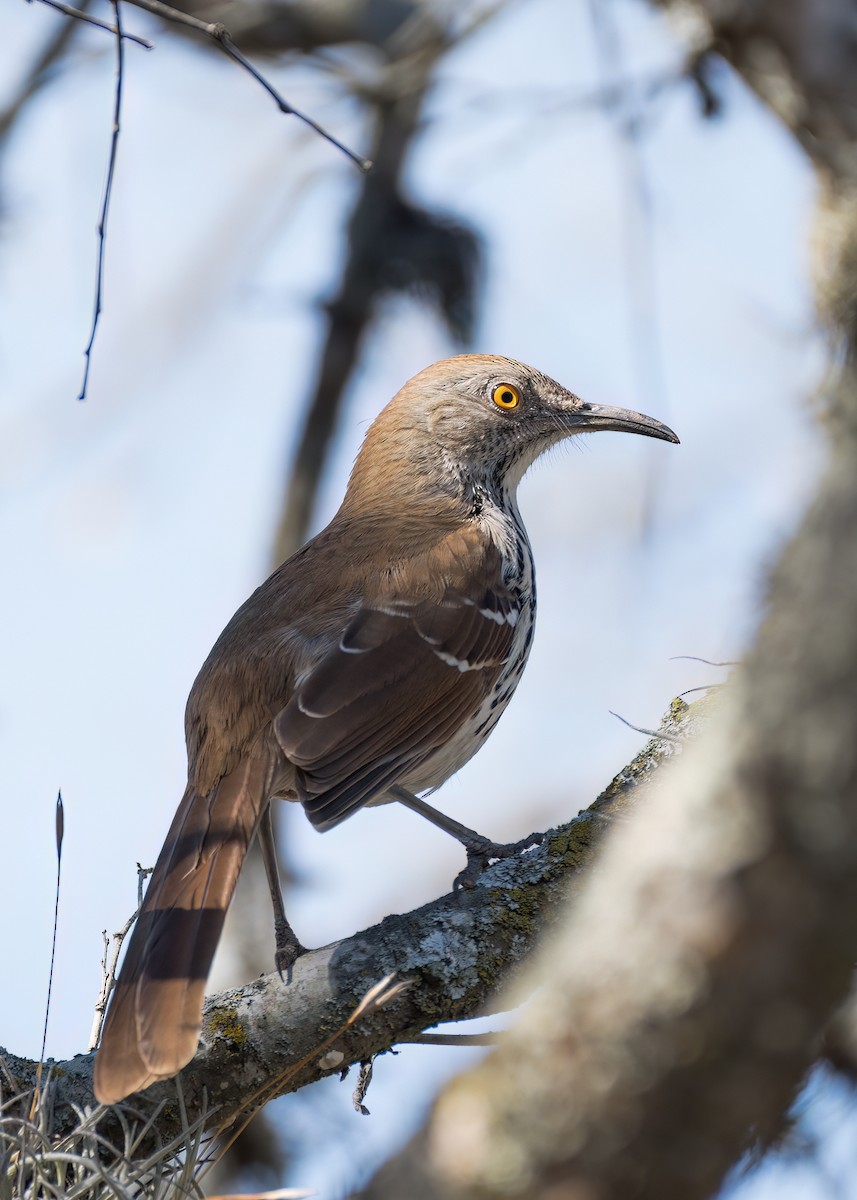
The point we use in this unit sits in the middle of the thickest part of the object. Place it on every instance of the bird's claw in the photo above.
(481, 853)
(288, 949)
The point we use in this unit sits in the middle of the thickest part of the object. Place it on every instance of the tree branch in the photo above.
(79, 14)
(221, 37)
(267, 1038)
(105, 198)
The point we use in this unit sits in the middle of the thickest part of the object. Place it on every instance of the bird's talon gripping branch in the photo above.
(286, 954)
(466, 878)
(481, 854)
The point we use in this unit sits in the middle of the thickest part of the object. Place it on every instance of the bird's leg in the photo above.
(480, 851)
(288, 948)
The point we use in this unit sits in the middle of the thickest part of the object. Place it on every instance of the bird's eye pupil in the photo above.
(507, 397)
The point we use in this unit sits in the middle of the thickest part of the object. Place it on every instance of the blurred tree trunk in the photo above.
(686, 995)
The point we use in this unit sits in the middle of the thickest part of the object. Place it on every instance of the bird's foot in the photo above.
(481, 853)
(288, 950)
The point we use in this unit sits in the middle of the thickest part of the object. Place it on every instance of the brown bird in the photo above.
(368, 668)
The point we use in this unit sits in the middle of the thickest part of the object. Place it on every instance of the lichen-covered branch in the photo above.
(271, 1037)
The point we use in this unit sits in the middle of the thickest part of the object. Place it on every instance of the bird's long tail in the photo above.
(155, 1015)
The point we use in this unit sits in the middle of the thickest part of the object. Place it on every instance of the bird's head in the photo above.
(479, 419)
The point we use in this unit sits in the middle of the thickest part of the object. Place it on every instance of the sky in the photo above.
(670, 277)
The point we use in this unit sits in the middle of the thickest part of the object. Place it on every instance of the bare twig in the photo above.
(143, 874)
(364, 1079)
(696, 658)
(105, 202)
(110, 960)
(79, 15)
(450, 1039)
(655, 733)
(220, 35)
(706, 687)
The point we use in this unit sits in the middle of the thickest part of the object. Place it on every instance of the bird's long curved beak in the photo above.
(604, 416)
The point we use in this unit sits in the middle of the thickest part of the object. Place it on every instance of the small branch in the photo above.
(653, 733)
(105, 203)
(219, 34)
(695, 658)
(79, 15)
(110, 960)
(363, 1081)
(143, 874)
(450, 1039)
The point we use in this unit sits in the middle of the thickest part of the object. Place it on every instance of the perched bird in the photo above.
(369, 667)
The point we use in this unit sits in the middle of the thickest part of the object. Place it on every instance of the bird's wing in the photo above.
(406, 674)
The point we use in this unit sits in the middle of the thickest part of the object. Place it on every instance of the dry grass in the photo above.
(84, 1165)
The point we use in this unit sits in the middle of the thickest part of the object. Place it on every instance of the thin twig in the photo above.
(364, 1078)
(696, 658)
(79, 15)
(108, 977)
(655, 733)
(451, 1039)
(108, 968)
(105, 203)
(706, 687)
(221, 36)
(143, 874)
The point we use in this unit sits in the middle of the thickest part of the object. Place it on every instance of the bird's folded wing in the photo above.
(404, 677)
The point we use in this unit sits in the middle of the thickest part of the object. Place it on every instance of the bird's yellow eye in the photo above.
(506, 396)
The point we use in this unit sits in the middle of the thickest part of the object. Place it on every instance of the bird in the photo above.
(367, 669)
